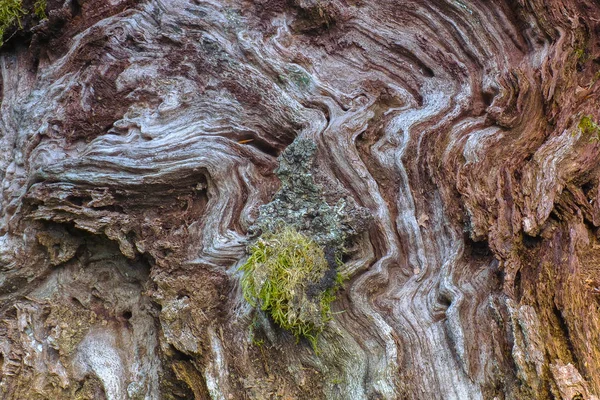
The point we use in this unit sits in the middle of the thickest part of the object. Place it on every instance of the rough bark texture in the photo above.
(139, 140)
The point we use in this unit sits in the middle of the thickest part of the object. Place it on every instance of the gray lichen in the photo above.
(301, 204)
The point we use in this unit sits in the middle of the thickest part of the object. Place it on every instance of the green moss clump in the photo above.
(289, 276)
(11, 12)
(39, 9)
(589, 127)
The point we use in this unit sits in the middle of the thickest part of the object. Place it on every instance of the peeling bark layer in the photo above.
(140, 139)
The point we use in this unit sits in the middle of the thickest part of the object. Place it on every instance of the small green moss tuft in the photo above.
(11, 12)
(589, 127)
(288, 276)
(39, 9)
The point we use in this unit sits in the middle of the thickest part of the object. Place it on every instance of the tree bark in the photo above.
(456, 142)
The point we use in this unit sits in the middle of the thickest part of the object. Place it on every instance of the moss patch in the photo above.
(589, 127)
(39, 9)
(292, 270)
(11, 12)
(289, 276)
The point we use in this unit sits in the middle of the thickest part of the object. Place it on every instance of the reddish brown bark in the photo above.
(140, 139)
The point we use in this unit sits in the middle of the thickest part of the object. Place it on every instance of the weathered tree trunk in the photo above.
(139, 140)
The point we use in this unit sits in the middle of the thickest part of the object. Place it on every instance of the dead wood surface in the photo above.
(139, 139)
